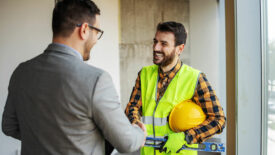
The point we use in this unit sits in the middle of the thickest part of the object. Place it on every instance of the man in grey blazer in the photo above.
(57, 104)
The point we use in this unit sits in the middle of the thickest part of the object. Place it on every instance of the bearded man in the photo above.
(161, 86)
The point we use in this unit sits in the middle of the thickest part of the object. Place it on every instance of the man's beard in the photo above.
(167, 59)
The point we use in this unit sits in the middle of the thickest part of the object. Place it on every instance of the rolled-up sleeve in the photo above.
(134, 107)
(215, 121)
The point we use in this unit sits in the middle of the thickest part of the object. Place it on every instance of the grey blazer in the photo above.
(58, 105)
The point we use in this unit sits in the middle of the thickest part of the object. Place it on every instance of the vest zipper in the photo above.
(157, 102)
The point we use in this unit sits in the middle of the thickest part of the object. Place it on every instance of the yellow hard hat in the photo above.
(186, 115)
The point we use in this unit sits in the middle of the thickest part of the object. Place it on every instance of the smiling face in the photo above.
(164, 50)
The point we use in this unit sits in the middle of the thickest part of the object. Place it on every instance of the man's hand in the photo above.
(142, 126)
(174, 142)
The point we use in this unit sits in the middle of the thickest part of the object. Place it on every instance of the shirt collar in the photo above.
(68, 47)
(174, 70)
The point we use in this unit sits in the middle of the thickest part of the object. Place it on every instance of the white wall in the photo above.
(105, 54)
(25, 28)
(204, 38)
(207, 42)
(139, 19)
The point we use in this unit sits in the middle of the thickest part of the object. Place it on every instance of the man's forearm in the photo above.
(132, 112)
(133, 109)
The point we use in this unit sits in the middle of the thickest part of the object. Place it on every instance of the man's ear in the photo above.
(180, 49)
(84, 31)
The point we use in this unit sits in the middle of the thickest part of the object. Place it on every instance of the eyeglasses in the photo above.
(99, 35)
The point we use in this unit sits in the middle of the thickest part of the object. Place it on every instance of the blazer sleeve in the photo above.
(10, 124)
(110, 118)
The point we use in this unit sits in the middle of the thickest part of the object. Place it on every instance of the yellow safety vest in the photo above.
(155, 114)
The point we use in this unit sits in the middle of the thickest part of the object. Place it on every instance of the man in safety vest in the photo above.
(161, 86)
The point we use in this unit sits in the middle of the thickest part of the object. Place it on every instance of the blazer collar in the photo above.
(54, 47)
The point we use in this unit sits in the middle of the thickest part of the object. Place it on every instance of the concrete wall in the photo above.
(25, 30)
(139, 19)
(204, 47)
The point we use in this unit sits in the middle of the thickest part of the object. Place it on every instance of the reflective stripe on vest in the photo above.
(157, 121)
(182, 87)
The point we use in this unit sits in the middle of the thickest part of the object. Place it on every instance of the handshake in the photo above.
(143, 128)
(173, 144)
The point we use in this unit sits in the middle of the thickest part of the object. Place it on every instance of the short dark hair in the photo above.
(68, 13)
(176, 28)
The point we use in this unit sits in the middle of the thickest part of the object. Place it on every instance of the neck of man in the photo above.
(69, 42)
(170, 66)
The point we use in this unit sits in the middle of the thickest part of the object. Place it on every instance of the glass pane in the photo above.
(270, 76)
